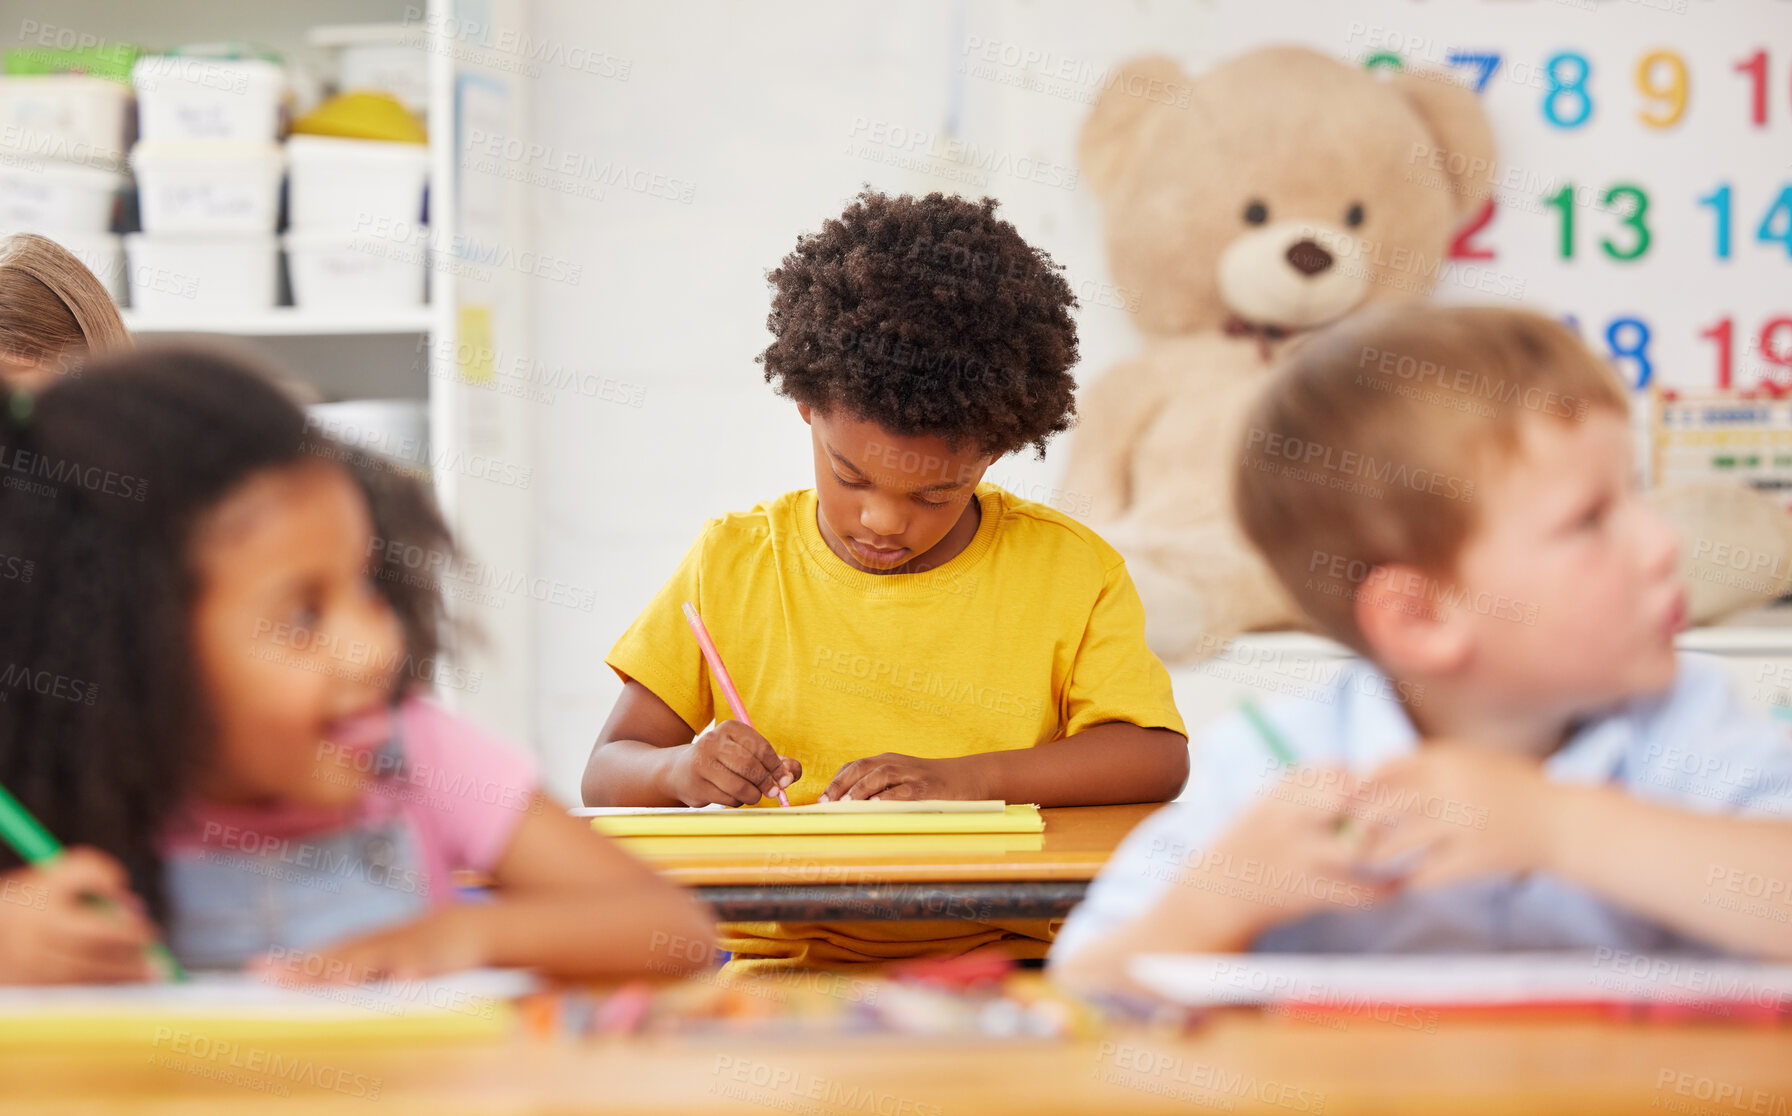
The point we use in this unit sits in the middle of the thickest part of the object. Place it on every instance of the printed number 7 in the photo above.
(1489, 64)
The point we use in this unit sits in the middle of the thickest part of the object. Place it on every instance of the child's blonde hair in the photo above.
(1370, 445)
(53, 311)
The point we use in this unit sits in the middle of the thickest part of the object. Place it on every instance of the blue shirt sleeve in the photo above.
(1702, 748)
(1231, 771)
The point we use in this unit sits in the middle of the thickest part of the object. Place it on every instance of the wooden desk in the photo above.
(1042, 882)
(1242, 1063)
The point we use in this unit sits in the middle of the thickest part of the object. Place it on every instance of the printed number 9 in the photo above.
(1674, 95)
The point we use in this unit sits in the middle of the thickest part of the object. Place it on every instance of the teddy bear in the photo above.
(1271, 195)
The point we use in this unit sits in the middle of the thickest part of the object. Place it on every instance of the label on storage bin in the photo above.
(206, 121)
(208, 202)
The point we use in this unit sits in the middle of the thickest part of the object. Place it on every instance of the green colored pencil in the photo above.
(1284, 755)
(1278, 748)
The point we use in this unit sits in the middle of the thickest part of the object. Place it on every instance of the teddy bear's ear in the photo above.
(1460, 132)
(1110, 135)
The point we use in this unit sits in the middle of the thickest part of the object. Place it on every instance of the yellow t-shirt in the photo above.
(1032, 633)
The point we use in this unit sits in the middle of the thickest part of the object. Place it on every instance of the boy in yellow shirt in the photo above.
(902, 630)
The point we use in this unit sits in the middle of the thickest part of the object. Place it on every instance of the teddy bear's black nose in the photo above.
(1309, 258)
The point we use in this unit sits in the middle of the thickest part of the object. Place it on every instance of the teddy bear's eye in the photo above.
(1256, 213)
(1354, 216)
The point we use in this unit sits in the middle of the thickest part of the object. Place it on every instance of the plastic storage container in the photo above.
(192, 97)
(184, 275)
(208, 187)
(43, 195)
(396, 428)
(400, 70)
(348, 184)
(355, 273)
(70, 117)
(389, 57)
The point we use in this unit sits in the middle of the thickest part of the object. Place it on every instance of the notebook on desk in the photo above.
(1345, 981)
(241, 1008)
(929, 816)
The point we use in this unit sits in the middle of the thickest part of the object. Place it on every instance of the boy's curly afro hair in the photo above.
(926, 316)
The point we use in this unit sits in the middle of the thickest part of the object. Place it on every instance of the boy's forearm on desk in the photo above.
(628, 773)
(1103, 765)
(1674, 866)
(1187, 919)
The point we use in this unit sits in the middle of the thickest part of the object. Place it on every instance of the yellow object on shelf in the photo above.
(364, 115)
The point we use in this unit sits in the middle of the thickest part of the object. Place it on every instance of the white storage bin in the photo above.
(179, 276)
(396, 428)
(190, 97)
(71, 117)
(102, 253)
(208, 187)
(388, 57)
(400, 70)
(348, 184)
(355, 273)
(39, 194)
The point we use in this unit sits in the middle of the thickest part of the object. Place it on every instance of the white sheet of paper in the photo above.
(1345, 980)
(253, 995)
(917, 806)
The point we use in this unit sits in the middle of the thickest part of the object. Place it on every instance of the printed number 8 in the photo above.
(1637, 350)
(1560, 87)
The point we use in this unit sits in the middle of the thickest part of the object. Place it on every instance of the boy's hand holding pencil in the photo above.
(732, 764)
(1281, 859)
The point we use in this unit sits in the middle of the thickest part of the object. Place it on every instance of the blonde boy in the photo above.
(1522, 761)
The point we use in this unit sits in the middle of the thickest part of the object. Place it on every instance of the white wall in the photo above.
(769, 112)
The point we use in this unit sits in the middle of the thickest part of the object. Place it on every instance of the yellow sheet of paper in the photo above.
(215, 1008)
(834, 845)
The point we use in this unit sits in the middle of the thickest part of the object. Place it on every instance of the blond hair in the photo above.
(53, 311)
(1367, 448)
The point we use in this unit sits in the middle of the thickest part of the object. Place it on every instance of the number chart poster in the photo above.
(1645, 180)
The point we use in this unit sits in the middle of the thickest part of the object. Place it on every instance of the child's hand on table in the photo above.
(732, 764)
(50, 933)
(1284, 857)
(896, 776)
(443, 941)
(1460, 812)
(1297, 833)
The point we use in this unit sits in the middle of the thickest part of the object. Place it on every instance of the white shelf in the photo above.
(1762, 632)
(284, 321)
(371, 353)
(1721, 639)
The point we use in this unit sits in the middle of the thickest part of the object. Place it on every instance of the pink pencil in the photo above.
(714, 658)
